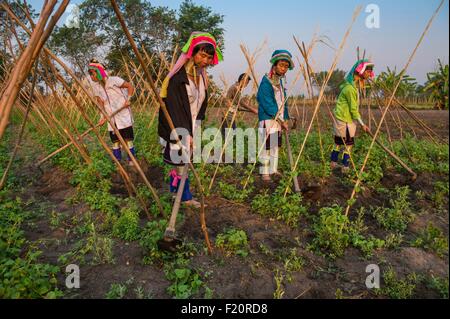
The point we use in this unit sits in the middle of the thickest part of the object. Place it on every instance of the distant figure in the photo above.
(235, 103)
(346, 113)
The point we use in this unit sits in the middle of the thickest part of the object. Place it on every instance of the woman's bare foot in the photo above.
(278, 174)
(193, 203)
(266, 178)
(345, 170)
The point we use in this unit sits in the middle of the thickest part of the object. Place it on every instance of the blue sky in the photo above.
(401, 23)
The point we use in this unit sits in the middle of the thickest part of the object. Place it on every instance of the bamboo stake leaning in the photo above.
(391, 99)
(80, 137)
(249, 68)
(291, 162)
(167, 115)
(43, 29)
(399, 126)
(227, 137)
(422, 124)
(309, 84)
(22, 128)
(122, 171)
(394, 156)
(322, 91)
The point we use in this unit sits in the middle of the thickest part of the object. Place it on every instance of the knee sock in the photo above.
(335, 154)
(132, 149)
(346, 158)
(117, 151)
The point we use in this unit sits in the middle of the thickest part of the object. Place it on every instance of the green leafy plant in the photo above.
(437, 86)
(94, 186)
(116, 291)
(330, 231)
(233, 241)
(231, 192)
(26, 278)
(432, 239)
(440, 285)
(440, 195)
(186, 282)
(55, 219)
(97, 246)
(279, 290)
(398, 216)
(367, 245)
(426, 157)
(396, 288)
(127, 225)
(393, 240)
(293, 262)
(21, 275)
(149, 237)
(288, 208)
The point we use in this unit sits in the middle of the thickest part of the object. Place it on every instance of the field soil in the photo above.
(253, 276)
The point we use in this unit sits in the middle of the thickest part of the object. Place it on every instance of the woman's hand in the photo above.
(102, 121)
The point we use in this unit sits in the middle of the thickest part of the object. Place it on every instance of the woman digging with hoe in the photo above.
(185, 94)
(273, 112)
(113, 94)
(346, 113)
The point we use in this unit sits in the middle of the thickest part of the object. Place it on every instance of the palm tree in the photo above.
(437, 86)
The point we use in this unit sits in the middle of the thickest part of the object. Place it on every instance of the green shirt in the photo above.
(347, 106)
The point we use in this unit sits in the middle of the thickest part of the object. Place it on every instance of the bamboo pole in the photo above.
(128, 183)
(358, 182)
(322, 91)
(60, 129)
(23, 65)
(80, 137)
(394, 156)
(167, 115)
(422, 124)
(22, 129)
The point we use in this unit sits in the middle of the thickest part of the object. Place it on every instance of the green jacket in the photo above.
(347, 106)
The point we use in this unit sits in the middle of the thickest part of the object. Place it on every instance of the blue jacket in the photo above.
(268, 107)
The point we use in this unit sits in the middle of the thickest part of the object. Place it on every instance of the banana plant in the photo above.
(389, 79)
(437, 86)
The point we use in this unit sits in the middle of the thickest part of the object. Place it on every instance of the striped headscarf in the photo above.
(195, 39)
(99, 69)
(360, 67)
(284, 55)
